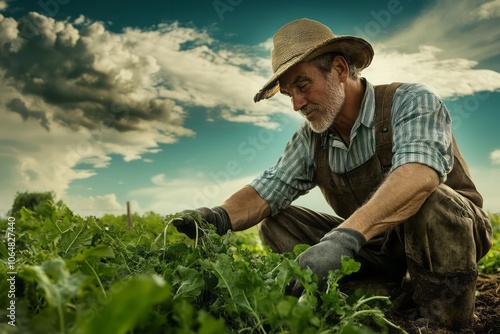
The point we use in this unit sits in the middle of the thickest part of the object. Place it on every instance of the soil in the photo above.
(487, 312)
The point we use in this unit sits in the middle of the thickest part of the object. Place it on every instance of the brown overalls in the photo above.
(439, 246)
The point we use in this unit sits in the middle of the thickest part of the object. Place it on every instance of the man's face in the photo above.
(317, 96)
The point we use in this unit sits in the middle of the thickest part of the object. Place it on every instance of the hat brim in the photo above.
(356, 49)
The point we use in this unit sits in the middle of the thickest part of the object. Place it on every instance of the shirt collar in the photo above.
(367, 110)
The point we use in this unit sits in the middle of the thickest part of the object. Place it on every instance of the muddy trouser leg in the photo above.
(382, 258)
(443, 243)
(295, 225)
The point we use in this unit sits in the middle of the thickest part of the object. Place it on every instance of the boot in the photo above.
(445, 298)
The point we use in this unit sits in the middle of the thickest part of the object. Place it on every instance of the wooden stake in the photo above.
(129, 216)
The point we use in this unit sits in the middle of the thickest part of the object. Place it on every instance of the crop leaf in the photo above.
(189, 283)
(52, 277)
(57, 284)
(131, 302)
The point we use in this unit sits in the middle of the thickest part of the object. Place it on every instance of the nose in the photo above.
(298, 101)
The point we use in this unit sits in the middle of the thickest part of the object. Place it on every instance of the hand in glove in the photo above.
(217, 216)
(326, 255)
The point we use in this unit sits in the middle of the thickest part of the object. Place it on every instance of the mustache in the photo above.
(306, 110)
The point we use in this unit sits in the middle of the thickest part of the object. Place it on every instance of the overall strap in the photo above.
(383, 127)
(322, 175)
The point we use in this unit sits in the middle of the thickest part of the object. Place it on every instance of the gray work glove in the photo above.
(326, 255)
(217, 216)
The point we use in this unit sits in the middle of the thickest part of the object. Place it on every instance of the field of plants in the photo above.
(62, 273)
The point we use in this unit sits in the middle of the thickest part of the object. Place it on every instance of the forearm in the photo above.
(246, 208)
(399, 197)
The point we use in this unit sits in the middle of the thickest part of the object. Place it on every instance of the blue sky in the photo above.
(105, 102)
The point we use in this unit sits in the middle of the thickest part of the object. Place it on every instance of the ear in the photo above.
(340, 66)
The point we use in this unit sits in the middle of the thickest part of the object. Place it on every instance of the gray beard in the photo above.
(323, 123)
(329, 112)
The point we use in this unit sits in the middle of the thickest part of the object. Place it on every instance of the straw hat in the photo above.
(305, 39)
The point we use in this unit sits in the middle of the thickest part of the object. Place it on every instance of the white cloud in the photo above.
(80, 20)
(495, 157)
(267, 44)
(36, 160)
(447, 77)
(489, 10)
(188, 192)
(159, 180)
(455, 28)
(134, 80)
(209, 75)
(8, 29)
(95, 205)
(100, 205)
(33, 161)
(84, 78)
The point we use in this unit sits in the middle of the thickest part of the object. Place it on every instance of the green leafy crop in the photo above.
(89, 275)
(490, 263)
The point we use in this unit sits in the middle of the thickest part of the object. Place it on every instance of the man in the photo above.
(389, 168)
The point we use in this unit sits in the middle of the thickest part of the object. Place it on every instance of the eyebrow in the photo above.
(297, 79)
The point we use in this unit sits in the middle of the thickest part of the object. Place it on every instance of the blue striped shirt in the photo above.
(421, 134)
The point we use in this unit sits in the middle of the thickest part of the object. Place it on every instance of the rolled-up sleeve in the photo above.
(290, 177)
(421, 130)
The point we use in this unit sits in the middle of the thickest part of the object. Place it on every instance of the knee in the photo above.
(449, 227)
(441, 234)
(443, 207)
